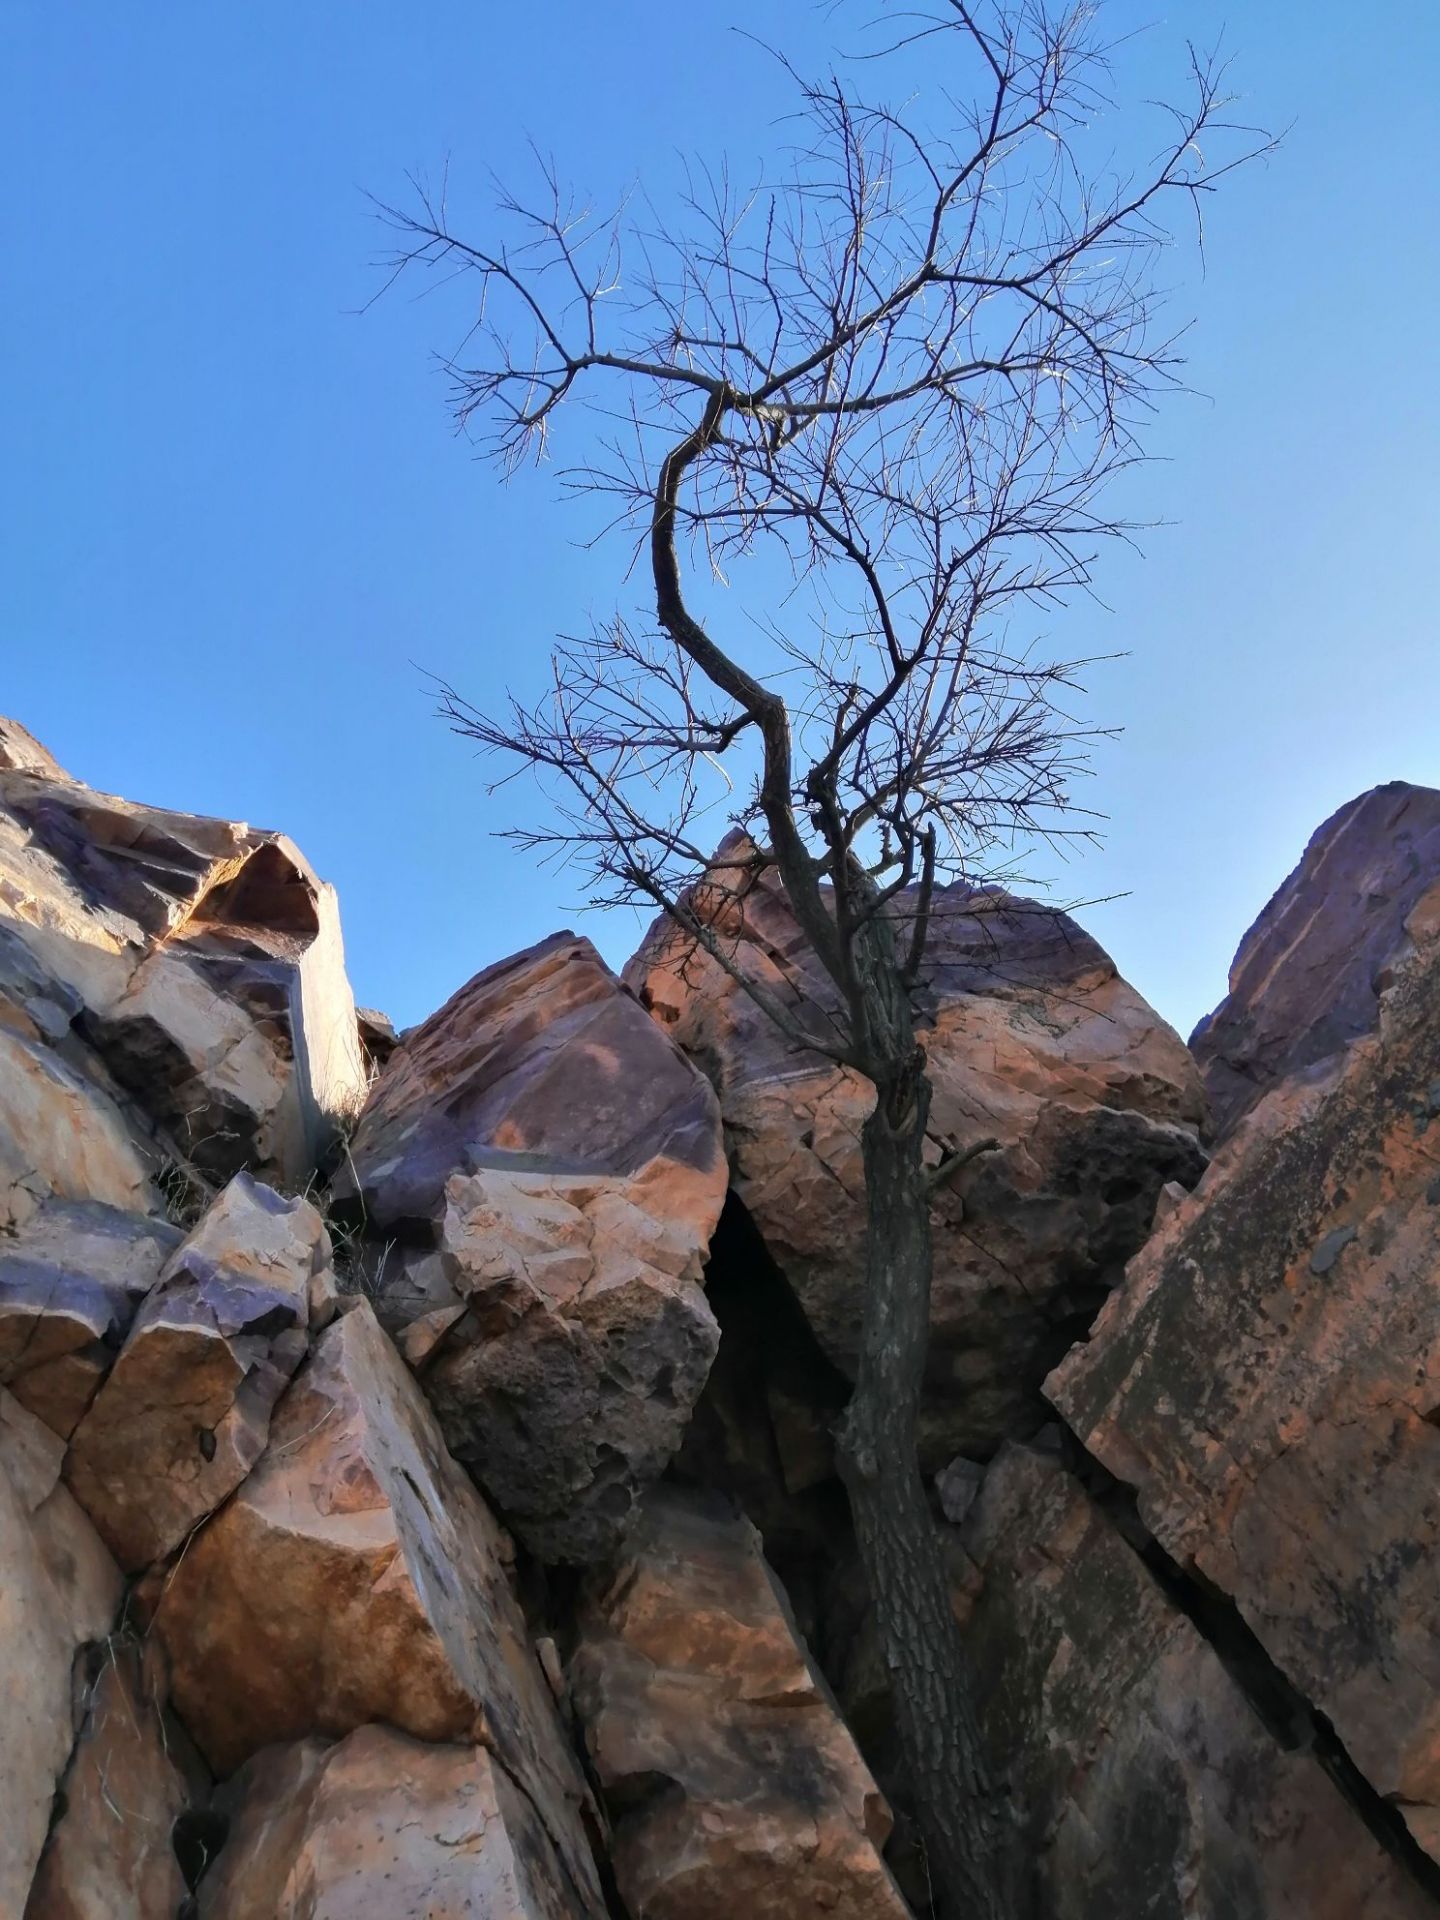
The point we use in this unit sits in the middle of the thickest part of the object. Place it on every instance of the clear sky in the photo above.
(236, 525)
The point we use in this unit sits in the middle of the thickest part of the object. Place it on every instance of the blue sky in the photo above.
(236, 525)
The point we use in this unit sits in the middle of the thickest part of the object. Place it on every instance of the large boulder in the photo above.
(383, 1825)
(358, 1576)
(62, 1135)
(1307, 977)
(732, 1782)
(200, 959)
(59, 1593)
(1033, 1039)
(555, 1166)
(1144, 1779)
(1268, 1379)
(70, 1281)
(111, 1854)
(183, 1414)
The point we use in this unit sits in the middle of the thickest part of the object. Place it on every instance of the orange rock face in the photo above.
(1145, 1781)
(732, 1782)
(566, 1162)
(183, 1414)
(1269, 1378)
(356, 1576)
(381, 1825)
(1032, 1038)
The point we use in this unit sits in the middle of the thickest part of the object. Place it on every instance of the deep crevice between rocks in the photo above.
(1291, 1720)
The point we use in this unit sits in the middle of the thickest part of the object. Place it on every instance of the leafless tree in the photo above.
(906, 370)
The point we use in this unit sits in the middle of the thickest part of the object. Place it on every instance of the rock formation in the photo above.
(1033, 1039)
(1268, 1380)
(565, 1160)
(1308, 976)
(731, 1779)
(449, 1527)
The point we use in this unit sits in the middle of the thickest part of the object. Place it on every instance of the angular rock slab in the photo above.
(59, 1591)
(111, 1855)
(70, 1281)
(1268, 1379)
(382, 1825)
(62, 1136)
(732, 1782)
(356, 1576)
(201, 959)
(569, 1162)
(567, 1380)
(183, 1414)
(1306, 978)
(1032, 1038)
(1145, 1781)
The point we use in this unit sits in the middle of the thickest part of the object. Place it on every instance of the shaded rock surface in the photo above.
(111, 1854)
(1033, 1039)
(183, 1413)
(1307, 977)
(1144, 1780)
(382, 1826)
(732, 1782)
(356, 1576)
(59, 1592)
(201, 961)
(564, 1161)
(1269, 1376)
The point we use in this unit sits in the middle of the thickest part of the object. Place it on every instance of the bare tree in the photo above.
(905, 370)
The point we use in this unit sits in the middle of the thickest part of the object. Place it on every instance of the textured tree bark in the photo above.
(964, 1821)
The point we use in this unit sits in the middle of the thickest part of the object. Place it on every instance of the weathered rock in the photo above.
(733, 1784)
(62, 1136)
(382, 1825)
(1144, 1780)
(356, 1576)
(1033, 1039)
(70, 1281)
(184, 1412)
(201, 959)
(1307, 976)
(111, 1854)
(568, 1159)
(1269, 1378)
(59, 1590)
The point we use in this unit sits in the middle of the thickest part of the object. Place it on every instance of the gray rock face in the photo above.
(1307, 976)
(1145, 1782)
(558, 1168)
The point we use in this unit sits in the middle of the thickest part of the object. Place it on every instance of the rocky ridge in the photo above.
(417, 1494)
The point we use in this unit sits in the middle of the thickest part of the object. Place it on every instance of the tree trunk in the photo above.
(965, 1825)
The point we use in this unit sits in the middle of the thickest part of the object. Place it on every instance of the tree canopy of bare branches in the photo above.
(890, 382)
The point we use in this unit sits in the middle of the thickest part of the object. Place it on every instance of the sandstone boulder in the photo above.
(383, 1825)
(1144, 1780)
(1307, 976)
(111, 1854)
(1033, 1039)
(183, 1413)
(59, 1591)
(357, 1576)
(1268, 1379)
(70, 1281)
(202, 961)
(565, 1162)
(732, 1782)
(62, 1136)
